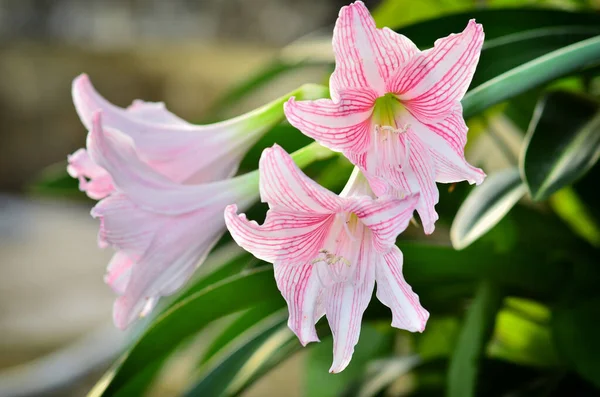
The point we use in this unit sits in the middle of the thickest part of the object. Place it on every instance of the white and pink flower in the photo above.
(184, 153)
(395, 111)
(161, 230)
(328, 251)
(163, 185)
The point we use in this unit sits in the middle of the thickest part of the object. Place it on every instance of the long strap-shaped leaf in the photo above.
(485, 206)
(531, 74)
(187, 318)
(478, 325)
(562, 143)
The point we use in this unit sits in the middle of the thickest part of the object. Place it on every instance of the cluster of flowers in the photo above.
(163, 184)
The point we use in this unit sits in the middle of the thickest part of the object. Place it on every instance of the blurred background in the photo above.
(190, 54)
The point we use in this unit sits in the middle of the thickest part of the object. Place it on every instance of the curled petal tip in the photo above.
(82, 79)
(231, 209)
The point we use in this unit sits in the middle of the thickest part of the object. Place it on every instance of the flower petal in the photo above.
(179, 246)
(116, 153)
(419, 176)
(386, 217)
(118, 272)
(345, 303)
(283, 185)
(301, 289)
(340, 125)
(124, 226)
(395, 293)
(154, 112)
(93, 179)
(364, 55)
(446, 139)
(433, 82)
(285, 237)
(180, 151)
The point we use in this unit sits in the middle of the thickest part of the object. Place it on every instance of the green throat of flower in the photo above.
(386, 111)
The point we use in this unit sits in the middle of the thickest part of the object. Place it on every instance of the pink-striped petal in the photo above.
(302, 290)
(345, 303)
(419, 176)
(178, 150)
(116, 153)
(364, 55)
(394, 292)
(283, 185)
(93, 179)
(386, 217)
(179, 246)
(432, 83)
(284, 238)
(340, 125)
(446, 140)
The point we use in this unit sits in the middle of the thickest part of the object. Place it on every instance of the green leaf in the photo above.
(504, 53)
(495, 23)
(523, 335)
(531, 74)
(485, 206)
(562, 142)
(320, 383)
(186, 319)
(576, 328)
(227, 373)
(577, 214)
(477, 327)
(382, 373)
(55, 181)
(242, 323)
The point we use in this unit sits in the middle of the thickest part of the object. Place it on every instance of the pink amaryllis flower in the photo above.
(182, 152)
(394, 110)
(161, 230)
(328, 251)
(164, 184)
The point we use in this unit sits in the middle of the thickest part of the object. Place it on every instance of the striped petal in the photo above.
(180, 245)
(178, 150)
(395, 293)
(418, 176)
(446, 140)
(386, 217)
(284, 186)
(339, 125)
(364, 55)
(433, 82)
(302, 290)
(345, 303)
(116, 153)
(285, 237)
(93, 179)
